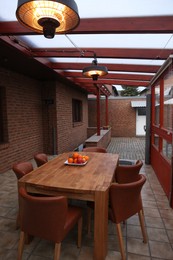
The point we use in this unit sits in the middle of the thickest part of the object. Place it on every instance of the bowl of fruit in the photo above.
(77, 159)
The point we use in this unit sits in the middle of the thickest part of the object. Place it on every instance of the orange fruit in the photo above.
(84, 160)
(75, 155)
(75, 160)
(86, 157)
(70, 160)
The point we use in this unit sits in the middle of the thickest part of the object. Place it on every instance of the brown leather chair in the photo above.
(40, 159)
(123, 174)
(95, 149)
(128, 173)
(50, 218)
(125, 201)
(21, 169)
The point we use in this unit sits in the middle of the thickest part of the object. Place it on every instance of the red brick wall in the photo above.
(69, 136)
(49, 117)
(24, 110)
(32, 123)
(121, 116)
(59, 133)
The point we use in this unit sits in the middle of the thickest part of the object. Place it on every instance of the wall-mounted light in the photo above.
(94, 71)
(48, 16)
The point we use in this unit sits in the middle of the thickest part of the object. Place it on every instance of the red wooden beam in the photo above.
(103, 81)
(150, 24)
(74, 74)
(111, 67)
(118, 53)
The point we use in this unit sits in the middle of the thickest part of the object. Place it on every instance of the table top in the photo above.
(96, 175)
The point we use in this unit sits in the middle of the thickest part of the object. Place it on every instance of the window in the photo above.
(141, 111)
(156, 141)
(168, 102)
(157, 105)
(167, 149)
(77, 110)
(3, 117)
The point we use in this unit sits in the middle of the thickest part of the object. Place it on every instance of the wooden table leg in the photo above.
(100, 225)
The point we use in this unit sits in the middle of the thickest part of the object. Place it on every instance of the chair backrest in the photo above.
(128, 173)
(22, 168)
(95, 149)
(125, 199)
(43, 217)
(40, 158)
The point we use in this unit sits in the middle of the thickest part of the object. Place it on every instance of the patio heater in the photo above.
(48, 16)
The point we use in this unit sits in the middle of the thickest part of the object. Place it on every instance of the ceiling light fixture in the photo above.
(94, 71)
(48, 16)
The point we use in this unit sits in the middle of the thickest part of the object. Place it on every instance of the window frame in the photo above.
(77, 111)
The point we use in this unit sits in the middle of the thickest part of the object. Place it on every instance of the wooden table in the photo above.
(90, 183)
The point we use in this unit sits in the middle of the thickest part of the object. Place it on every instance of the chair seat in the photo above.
(125, 201)
(48, 218)
(73, 214)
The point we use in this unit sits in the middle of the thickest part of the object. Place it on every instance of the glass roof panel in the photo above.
(101, 9)
(109, 61)
(96, 8)
(112, 8)
(90, 8)
(102, 41)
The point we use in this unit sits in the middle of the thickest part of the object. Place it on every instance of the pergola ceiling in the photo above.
(131, 66)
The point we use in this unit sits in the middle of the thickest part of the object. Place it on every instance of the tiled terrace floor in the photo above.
(158, 219)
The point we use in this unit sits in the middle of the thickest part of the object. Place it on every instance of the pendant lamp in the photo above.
(48, 16)
(94, 71)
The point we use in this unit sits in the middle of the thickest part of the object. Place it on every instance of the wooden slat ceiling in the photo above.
(120, 74)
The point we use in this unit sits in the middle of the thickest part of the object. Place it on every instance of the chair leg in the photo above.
(57, 251)
(79, 232)
(89, 212)
(28, 239)
(141, 219)
(17, 221)
(120, 239)
(21, 245)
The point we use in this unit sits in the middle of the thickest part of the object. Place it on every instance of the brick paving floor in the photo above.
(158, 220)
(130, 148)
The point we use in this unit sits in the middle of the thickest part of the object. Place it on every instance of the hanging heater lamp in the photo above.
(48, 16)
(94, 71)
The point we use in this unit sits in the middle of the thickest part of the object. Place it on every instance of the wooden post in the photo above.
(106, 111)
(98, 111)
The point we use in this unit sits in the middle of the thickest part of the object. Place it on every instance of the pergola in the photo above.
(67, 55)
(133, 39)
